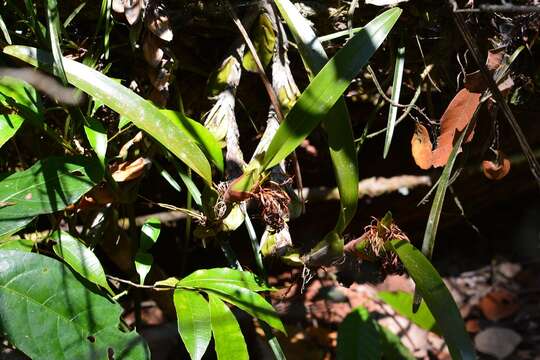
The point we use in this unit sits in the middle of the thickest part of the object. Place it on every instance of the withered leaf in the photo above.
(158, 23)
(153, 53)
(129, 170)
(118, 6)
(421, 147)
(132, 10)
(456, 117)
(499, 304)
(496, 170)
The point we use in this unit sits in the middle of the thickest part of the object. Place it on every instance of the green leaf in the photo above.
(228, 338)
(249, 301)
(200, 134)
(149, 235)
(47, 313)
(396, 91)
(20, 99)
(4, 29)
(358, 337)
(438, 299)
(194, 326)
(97, 137)
(48, 186)
(206, 278)
(141, 112)
(18, 244)
(54, 30)
(392, 347)
(402, 303)
(80, 258)
(327, 87)
(337, 122)
(264, 41)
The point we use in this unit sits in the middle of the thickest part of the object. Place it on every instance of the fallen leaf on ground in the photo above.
(497, 341)
(498, 304)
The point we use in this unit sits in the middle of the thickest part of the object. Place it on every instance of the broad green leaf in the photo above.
(358, 337)
(402, 303)
(228, 338)
(200, 134)
(249, 301)
(327, 87)
(194, 326)
(18, 244)
(143, 259)
(264, 41)
(396, 91)
(20, 101)
(141, 112)
(48, 186)
(47, 313)
(392, 347)
(337, 122)
(438, 299)
(80, 258)
(97, 137)
(205, 278)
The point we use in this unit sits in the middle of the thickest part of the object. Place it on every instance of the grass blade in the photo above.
(396, 91)
(438, 299)
(327, 87)
(125, 102)
(337, 122)
(54, 30)
(5, 31)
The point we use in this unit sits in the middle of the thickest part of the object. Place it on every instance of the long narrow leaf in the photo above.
(230, 343)
(54, 31)
(204, 278)
(396, 91)
(358, 337)
(327, 87)
(337, 122)
(80, 258)
(125, 102)
(194, 325)
(438, 299)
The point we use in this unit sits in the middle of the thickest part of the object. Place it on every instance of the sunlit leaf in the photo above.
(47, 313)
(149, 235)
(124, 101)
(79, 258)
(396, 91)
(205, 278)
(49, 185)
(194, 326)
(336, 123)
(327, 87)
(228, 338)
(438, 299)
(402, 303)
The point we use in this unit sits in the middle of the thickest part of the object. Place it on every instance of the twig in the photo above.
(131, 283)
(501, 8)
(390, 101)
(499, 98)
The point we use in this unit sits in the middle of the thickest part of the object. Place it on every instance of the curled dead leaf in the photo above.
(158, 23)
(118, 6)
(153, 53)
(457, 116)
(499, 304)
(133, 10)
(496, 170)
(129, 170)
(421, 147)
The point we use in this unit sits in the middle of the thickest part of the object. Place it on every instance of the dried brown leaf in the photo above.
(496, 170)
(158, 23)
(133, 10)
(457, 116)
(118, 6)
(499, 304)
(129, 170)
(422, 147)
(153, 53)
